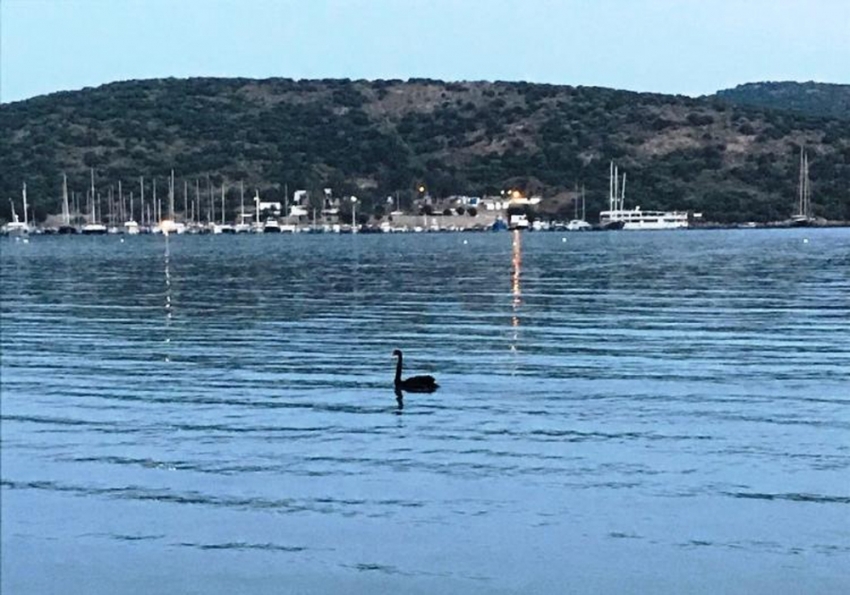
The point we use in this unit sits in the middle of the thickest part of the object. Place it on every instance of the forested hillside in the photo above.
(814, 99)
(729, 161)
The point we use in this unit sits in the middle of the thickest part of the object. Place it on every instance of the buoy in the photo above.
(805, 240)
(465, 241)
(563, 239)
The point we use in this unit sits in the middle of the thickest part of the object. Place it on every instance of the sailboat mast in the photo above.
(142, 197)
(171, 197)
(575, 201)
(222, 201)
(623, 193)
(93, 214)
(185, 199)
(66, 214)
(800, 184)
(24, 196)
(582, 202)
(807, 199)
(110, 202)
(211, 204)
(242, 201)
(616, 187)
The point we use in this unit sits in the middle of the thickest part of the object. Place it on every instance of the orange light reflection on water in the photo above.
(516, 289)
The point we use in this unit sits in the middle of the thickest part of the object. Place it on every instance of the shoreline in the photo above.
(372, 229)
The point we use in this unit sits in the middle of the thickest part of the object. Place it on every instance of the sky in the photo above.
(689, 47)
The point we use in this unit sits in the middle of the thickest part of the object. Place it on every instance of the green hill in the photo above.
(813, 99)
(732, 162)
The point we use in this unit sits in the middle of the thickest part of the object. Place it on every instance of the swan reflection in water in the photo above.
(413, 384)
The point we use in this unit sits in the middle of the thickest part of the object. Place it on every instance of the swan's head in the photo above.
(396, 353)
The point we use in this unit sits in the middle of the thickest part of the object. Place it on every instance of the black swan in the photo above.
(414, 384)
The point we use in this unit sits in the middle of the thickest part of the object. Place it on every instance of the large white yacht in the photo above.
(618, 217)
(637, 219)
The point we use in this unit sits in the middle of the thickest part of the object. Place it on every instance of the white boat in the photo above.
(271, 226)
(169, 226)
(94, 229)
(131, 227)
(518, 221)
(579, 225)
(637, 219)
(15, 228)
(618, 217)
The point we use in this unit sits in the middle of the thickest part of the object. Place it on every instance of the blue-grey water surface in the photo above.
(661, 412)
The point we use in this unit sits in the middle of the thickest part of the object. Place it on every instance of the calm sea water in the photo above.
(662, 412)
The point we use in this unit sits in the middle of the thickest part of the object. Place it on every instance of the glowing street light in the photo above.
(353, 214)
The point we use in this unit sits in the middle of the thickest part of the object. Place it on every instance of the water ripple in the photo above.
(603, 396)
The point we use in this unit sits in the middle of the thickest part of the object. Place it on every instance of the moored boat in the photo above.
(16, 228)
(271, 226)
(618, 217)
(94, 229)
(803, 216)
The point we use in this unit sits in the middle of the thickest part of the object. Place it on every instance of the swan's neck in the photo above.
(398, 370)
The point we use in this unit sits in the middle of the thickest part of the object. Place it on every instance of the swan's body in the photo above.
(414, 384)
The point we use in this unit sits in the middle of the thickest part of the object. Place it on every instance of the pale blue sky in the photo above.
(691, 47)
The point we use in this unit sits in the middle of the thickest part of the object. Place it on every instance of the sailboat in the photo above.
(803, 217)
(579, 223)
(131, 226)
(15, 228)
(224, 227)
(93, 227)
(66, 227)
(242, 226)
